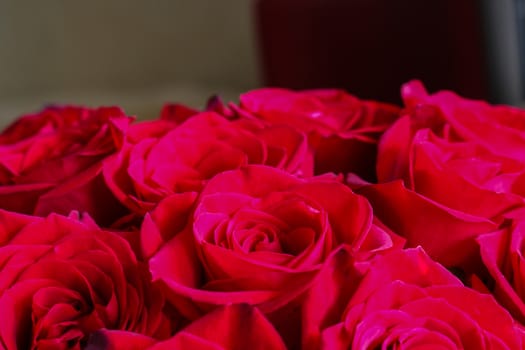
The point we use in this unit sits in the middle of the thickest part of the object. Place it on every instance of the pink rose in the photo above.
(257, 235)
(153, 166)
(404, 301)
(342, 130)
(63, 278)
(51, 161)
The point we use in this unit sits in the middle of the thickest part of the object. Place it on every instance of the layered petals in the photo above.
(259, 236)
(63, 278)
(405, 300)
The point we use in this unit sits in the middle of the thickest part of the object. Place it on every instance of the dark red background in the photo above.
(371, 47)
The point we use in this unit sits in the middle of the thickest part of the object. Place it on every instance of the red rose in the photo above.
(64, 278)
(502, 254)
(51, 161)
(447, 235)
(230, 327)
(441, 146)
(454, 171)
(151, 167)
(177, 112)
(342, 130)
(257, 235)
(404, 301)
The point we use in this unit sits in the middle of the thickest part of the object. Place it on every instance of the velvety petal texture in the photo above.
(152, 165)
(342, 130)
(288, 220)
(50, 162)
(63, 278)
(258, 235)
(229, 327)
(443, 144)
(462, 167)
(502, 253)
(448, 235)
(405, 301)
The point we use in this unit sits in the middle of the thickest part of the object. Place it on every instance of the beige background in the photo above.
(129, 52)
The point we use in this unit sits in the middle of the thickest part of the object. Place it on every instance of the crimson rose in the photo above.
(342, 130)
(153, 165)
(463, 170)
(63, 278)
(442, 145)
(502, 254)
(404, 301)
(257, 235)
(237, 326)
(50, 162)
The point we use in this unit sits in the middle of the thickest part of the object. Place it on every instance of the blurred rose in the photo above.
(444, 145)
(342, 130)
(176, 112)
(404, 301)
(51, 161)
(64, 278)
(258, 235)
(232, 327)
(154, 165)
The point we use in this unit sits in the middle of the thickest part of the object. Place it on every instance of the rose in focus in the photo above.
(260, 224)
(404, 300)
(256, 235)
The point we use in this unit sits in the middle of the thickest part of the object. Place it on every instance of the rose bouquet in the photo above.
(288, 220)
